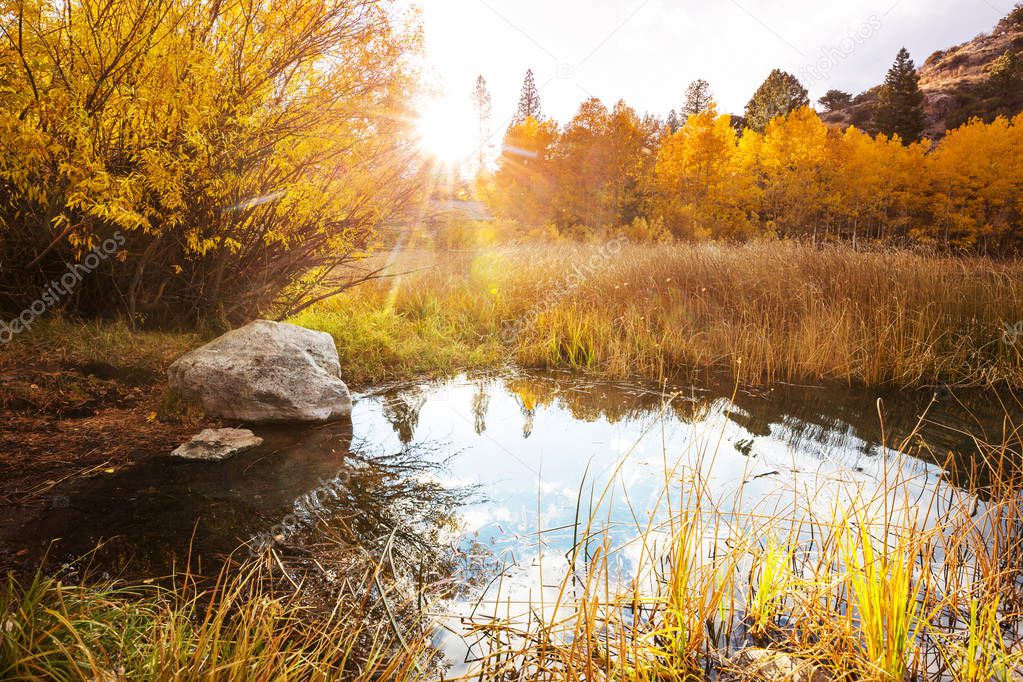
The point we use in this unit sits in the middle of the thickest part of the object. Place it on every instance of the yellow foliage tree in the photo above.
(799, 178)
(977, 173)
(704, 185)
(244, 152)
(878, 186)
(794, 173)
(523, 185)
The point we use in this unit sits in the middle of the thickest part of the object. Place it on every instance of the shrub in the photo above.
(236, 167)
(1014, 20)
(643, 230)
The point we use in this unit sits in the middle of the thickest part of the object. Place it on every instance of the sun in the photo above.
(447, 132)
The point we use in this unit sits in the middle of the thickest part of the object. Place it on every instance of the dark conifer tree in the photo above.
(698, 99)
(834, 100)
(672, 123)
(900, 104)
(529, 100)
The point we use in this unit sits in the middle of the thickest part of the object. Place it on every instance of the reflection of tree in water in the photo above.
(480, 405)
(527, 422)
(592, 400)
(691, 408)
(306, 492)
(392, 510)
(829, 416)
(383, 546)
(531, 393)
(817, 419)
(401, 409)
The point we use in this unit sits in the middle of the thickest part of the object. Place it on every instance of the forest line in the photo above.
(614, 171)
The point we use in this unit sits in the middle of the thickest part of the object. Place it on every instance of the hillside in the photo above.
(981, 77)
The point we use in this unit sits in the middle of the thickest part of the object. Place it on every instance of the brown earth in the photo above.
(949, 80)
(64, 417)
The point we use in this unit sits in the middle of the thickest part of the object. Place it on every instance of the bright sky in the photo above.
(647, 51)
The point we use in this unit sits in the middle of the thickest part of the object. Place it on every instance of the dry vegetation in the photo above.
(901, 577)
(78, 398)
(249, 624)
(764, 312)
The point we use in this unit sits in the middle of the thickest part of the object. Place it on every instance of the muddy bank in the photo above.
(68, 415)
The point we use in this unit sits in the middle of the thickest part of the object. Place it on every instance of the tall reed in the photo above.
(237, 627)
(763, 311)
(904, 577)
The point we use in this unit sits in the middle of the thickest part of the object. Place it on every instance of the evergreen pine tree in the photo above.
(672, 122)
(779, 95)
(482, 103)
(698, 98)
(529, 100)
(834, 100)
(1005, 75)
(900, 104)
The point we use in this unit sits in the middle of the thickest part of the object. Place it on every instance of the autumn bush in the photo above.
(244, 152)
(798, 178)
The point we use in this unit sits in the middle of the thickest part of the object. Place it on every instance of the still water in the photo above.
(507, 471)
(524, 452)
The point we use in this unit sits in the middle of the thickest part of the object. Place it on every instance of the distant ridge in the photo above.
(956, 83)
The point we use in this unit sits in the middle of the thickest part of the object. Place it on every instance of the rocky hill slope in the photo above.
(982, 77)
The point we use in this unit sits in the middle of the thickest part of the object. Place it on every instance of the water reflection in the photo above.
(301, 486)
(402, 411)
(526, 440)
(539, 447)
(480, 405)
(480, 476)
(550, 451)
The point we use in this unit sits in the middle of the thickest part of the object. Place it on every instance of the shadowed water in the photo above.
(496, 475)
(535, 449)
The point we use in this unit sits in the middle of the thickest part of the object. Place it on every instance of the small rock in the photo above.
(218, 444)
(764, 664)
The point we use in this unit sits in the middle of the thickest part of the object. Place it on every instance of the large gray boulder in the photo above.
(265, 372)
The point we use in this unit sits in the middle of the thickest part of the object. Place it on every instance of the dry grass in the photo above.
(902, 579)
(764, 312)
(137, 356)
(79, 397)
(242, 626)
